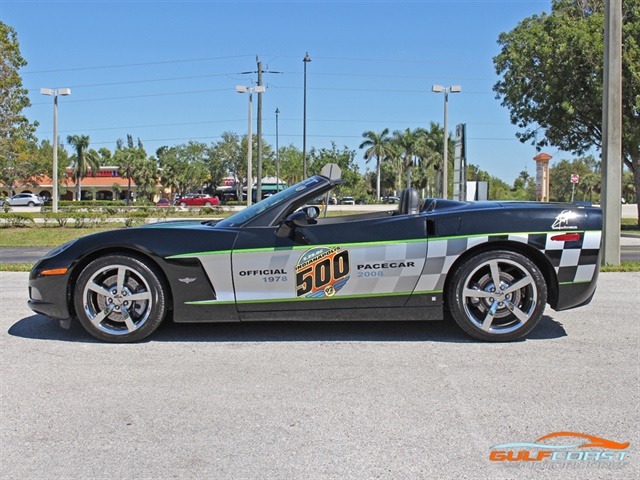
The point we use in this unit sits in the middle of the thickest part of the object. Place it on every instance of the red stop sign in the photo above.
(575, 178)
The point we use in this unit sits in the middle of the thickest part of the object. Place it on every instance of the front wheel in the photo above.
(120, 298)
(183, 204)
(497, 296)
(31, 204)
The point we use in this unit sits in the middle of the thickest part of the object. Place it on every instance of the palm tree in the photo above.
(378, 147)
(394, 157)
(127, 161)
(407, 142)
(83, 160)
(146, 178)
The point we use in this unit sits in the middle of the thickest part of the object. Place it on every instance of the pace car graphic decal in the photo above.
(322, 272)
(398, 268)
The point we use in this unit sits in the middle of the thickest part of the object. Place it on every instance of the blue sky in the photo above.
(166, 71)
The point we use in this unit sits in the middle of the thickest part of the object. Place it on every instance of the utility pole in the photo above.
(612, 132)
(259, 182)
(259, 92)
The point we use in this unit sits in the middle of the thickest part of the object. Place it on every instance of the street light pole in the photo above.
(277, 154)
(54, 177)
(250, 154)
(242, 89)
(306, 60)
(259, 169)
(445, 160)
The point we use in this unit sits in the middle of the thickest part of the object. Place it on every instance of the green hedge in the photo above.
(14, 219)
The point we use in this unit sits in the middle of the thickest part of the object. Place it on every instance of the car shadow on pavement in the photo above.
(39, 327)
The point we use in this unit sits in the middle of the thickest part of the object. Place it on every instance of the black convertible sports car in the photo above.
(492, 266)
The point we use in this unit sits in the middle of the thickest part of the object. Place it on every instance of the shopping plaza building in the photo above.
(106, 184)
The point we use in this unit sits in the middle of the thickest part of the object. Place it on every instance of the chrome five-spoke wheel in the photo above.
(119, 298)
(497, 295)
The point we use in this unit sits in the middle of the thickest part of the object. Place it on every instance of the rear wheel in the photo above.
(497, 296)
(183, 204)
(119, 298)
(31, 204)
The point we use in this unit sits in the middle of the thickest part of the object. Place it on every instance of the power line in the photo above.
(129, 82)
(413, 61)
(126, 65)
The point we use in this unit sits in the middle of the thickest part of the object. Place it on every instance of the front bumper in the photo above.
(49, 295)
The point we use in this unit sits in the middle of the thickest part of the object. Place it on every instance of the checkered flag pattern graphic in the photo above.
(573, 261)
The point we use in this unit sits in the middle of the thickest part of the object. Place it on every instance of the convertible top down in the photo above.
(493, 266)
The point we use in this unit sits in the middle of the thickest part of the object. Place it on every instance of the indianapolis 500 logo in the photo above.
(321, 272)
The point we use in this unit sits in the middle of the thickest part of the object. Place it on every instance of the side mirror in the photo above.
(312, 212)
(301, 218)
(298, 219)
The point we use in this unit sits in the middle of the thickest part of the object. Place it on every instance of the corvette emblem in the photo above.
(563, 219)
(187, 280)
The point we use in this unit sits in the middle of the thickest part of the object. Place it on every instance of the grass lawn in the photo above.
(43, 236)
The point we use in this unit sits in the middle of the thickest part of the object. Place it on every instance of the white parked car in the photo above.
(347, 201)
(25, 199)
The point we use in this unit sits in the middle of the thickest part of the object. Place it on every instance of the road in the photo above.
(389, 400)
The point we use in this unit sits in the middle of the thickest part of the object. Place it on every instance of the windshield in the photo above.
(256, 209)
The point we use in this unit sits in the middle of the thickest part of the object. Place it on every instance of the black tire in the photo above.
(501, 314)
(31, 204)
(102, 295)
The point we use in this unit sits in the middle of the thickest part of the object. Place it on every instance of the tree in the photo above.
(291, 164)
(18, 165)
(183, 166)
(232, 154)
(22, 168)
(407, 143)
(116, 190)
(128, 162)
(82, 160)
(13, 98)
(560, 177)
(377, 146)
(552, 72)
(146, 177)
(345, 159)
(216, 167)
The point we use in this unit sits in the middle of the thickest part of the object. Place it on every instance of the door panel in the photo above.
(334, 264)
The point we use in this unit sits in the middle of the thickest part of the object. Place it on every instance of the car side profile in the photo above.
(25, 200)
(198, 200)
(491, 266)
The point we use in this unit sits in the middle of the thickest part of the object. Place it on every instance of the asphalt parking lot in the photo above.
(316, 400)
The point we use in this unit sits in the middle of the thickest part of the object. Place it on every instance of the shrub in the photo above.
(88, 220)
(14, 219)
(61, 218)
(134, 218)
